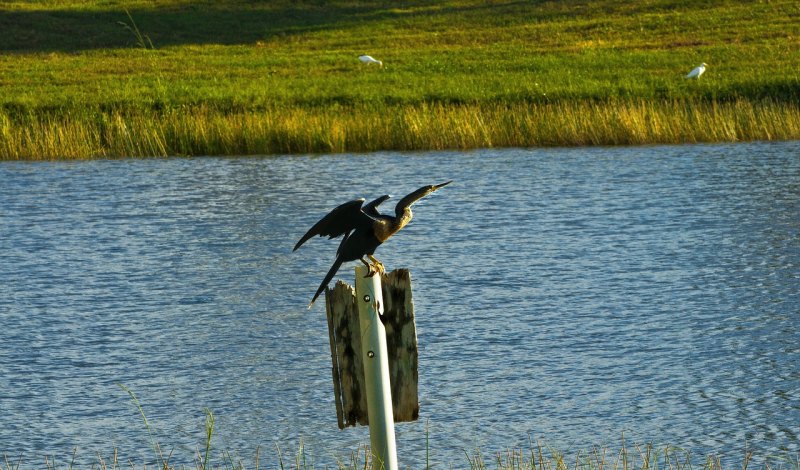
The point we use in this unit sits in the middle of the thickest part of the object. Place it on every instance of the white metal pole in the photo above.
(376, 370)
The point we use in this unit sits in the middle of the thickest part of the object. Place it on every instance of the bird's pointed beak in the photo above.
(434, 187)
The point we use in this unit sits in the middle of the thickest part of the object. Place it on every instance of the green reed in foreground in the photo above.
(538, 457)
(202, 130)
(639, 457)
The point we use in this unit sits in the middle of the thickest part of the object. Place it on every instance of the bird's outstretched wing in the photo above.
(338, 222)
(371, 209)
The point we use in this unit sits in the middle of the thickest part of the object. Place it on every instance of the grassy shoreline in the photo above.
(107, 79)
(201, 130)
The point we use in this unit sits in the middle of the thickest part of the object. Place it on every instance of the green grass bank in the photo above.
(106, 78)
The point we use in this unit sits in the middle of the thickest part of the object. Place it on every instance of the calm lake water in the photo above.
(565, 296)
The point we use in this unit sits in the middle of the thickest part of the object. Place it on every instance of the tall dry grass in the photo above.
(202, 130)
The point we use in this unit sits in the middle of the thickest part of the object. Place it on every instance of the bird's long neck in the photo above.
(388, 226)
(402, 217)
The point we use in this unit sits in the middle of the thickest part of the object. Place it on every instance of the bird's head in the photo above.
(442, 185)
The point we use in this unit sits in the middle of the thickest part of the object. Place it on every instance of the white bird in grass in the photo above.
(697, 71)
(369, 60)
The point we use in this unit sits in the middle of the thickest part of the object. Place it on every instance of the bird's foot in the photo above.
(373, 269)
(376, 267)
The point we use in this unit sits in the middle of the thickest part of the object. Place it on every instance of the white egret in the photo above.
(369, 60)
(697, 71)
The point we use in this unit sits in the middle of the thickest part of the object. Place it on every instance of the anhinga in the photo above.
(364, 230)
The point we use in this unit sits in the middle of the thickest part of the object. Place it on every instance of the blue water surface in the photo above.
(563, 296)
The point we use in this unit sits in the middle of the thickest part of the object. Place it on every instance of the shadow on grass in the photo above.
(227, 22)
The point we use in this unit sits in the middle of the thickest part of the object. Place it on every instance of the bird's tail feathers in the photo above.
(328, 277)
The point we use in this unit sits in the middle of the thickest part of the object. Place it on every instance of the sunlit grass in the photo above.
(92, 78)
(202, 130)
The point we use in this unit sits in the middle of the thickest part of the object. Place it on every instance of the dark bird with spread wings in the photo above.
(364, 230)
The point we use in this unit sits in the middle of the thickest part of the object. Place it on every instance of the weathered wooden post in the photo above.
(374, 356)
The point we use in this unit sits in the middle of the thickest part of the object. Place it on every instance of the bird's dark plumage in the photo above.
(338, 222)
(363, 229)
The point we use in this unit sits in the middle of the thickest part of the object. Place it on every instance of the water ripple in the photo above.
(564, 294)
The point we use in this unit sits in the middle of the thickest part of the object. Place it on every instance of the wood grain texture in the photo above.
(401, 338)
